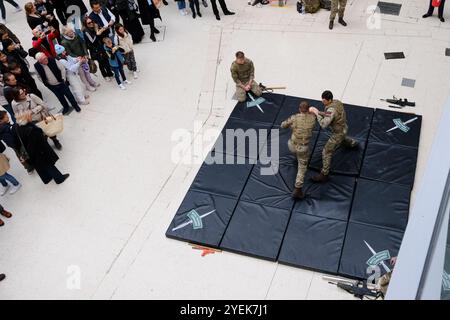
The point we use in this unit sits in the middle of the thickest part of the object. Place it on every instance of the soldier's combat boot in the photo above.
(320, 178)
(298, 193)
(341, 21)
(331, 25)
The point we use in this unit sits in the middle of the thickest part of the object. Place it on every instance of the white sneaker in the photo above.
(121, 86)
(14, 189)
(97, 85)
(4, 189)
(135, 75)
(91, 89)
(108, 79)
(127, 82)
(137, 70)
(84, 103)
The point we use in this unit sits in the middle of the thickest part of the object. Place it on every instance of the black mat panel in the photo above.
(383, 120)
(390, 163)
(359, 120)
(218, 212)
(223, 179)
(291, 106)
(269, 108)
(394, 55)
(329, 200)
(356, 254)
(381, 204)
(271, 189)
(256, 230)
(286, 157)
(345, 161)
(313, 242)
(247, 142)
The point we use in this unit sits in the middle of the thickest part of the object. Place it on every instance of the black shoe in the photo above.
(57, 144)
(298, 193)
(65, 176)
(2, 277)
(341, 21)
(77, 108)
(442, 19)
(152, 37)
(320, 178)
(228, 13)
(193, 15)
(205, 4)
(155, 30)
(165, 3)
(330, 26)
(199, 14)
(426, 15)
(217, 17)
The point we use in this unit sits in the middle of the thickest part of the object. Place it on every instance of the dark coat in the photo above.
(8, 136)
(148, 12)
(35, 142)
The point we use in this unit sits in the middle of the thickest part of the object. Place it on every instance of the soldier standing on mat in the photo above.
(337, 6)
(302, 125)
(243, 73)
(335, 118)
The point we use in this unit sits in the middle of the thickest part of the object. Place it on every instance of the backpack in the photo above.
(311, 6)
(325, 4)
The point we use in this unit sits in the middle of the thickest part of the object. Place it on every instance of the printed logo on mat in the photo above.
(195, 219)
(446, 281)
(399, 124)
(378, 258)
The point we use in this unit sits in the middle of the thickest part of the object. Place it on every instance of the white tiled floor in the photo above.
(110, 217)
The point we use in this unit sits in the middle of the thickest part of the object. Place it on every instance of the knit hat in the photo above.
(59, 49)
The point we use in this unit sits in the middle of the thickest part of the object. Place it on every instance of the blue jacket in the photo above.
(115, 59)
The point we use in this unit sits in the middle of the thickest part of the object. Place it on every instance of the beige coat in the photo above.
(4, 164)
(126, 43)
(32, 103)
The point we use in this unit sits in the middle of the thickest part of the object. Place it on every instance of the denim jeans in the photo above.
(118, 71)
(181, 4)
(7, 177)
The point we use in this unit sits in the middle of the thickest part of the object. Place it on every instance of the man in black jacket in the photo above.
(223, 5)
(53, 75)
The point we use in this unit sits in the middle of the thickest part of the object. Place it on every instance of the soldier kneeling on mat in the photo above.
(243, 73)
(334, 117)
(302, 125)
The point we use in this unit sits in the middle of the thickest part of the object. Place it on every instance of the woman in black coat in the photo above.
(41, 155)
(128, 11)
(148, 14)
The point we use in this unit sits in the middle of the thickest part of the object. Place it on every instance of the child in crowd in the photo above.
(126, 43)
(5, 177)
(116, 61)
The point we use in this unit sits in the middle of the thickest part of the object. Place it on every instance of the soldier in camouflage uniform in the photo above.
(334, 117)
(337, 6)
(302, 125)
(243, 73)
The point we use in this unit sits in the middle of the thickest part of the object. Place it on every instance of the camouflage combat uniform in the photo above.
(337, 6)
(337, 121)
(302, 125)
(241, 75)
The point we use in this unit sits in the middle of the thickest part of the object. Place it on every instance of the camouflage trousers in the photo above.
(336, 140)
(302, 153)
(337, 6)
(241, 94)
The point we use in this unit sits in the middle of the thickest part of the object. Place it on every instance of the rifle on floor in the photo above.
(269, 89)
(358, 288)
(400, 102)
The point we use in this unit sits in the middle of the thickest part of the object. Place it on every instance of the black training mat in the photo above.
(291, 106)
(223, 179)
(218, 211)
(384, 120)
(394, 55)
(313, 242)
(345, 160)
(329, 200)
(256, 230)
(269, 108)
(381, 204)
(389, 8)
(248, 197)
(273, 189)
(390, 163)
(356, 255)
(245, 132)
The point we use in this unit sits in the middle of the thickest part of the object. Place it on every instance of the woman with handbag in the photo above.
(36, 150)
(5, 177)
(436, 3)
(24, 102)
(128, 11)
(149, 12)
